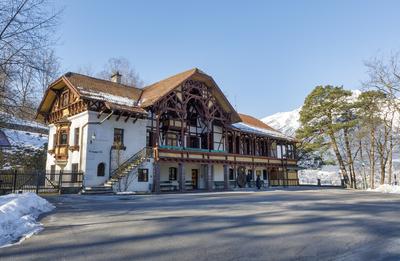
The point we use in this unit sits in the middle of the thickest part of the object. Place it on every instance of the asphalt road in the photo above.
(272, 225)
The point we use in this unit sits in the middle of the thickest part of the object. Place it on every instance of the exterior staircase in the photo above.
(123, 170)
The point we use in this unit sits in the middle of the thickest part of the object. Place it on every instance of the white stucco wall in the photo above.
(77, 121)
(217, 135)
(96, 142)
(218, 172)
(131, 183)
(100, 141)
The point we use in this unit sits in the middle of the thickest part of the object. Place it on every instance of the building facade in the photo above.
(178, 134)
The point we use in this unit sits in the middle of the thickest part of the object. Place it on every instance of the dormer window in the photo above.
(64, 99)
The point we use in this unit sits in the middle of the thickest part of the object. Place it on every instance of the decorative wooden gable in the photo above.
(60, 101)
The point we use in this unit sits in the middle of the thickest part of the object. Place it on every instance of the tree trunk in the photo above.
(364, 176)
(339, 157)
(383, 170)
(390, 170)
(372, 158)
(349, 158)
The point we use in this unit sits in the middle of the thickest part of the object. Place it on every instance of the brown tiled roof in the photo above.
(155, 91)
(249, 120)
(119, 107)
(88, 83)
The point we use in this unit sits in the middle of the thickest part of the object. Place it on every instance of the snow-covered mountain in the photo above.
(288, 122)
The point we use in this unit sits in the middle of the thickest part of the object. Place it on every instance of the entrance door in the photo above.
(195, 176)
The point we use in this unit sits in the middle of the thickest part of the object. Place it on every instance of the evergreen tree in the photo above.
(320, 122)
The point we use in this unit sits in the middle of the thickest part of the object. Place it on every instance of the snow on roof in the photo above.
(4, 142)
(25, 139)
(121, 100)
(248, 128)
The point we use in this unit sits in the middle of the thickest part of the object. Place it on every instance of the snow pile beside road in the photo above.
(387, 189)
(18, 214)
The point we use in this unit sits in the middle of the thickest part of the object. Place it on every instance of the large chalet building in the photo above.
(177, 134)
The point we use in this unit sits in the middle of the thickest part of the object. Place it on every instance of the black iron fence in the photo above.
(14, 181)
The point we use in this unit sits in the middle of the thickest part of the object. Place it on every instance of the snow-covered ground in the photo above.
(18, 214)
(329, 175)
(387, 189)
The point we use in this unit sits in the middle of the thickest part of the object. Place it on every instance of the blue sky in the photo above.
(265, 55)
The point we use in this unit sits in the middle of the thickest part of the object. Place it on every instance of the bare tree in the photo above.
(26, 35)
(384, 76)
(50, 69)
(124, 67)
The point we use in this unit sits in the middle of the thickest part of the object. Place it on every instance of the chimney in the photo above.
(116, 77)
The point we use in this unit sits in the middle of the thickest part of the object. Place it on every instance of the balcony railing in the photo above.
(189, 149)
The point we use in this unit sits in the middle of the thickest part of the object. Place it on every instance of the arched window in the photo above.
(101, 168)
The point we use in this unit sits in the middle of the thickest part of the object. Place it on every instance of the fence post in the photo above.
(15, 181)
(37, 182)
(60, 182)
(319, 182)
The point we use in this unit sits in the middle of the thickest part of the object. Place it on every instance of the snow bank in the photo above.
(387, 189)
(329, 175)
(18, 214)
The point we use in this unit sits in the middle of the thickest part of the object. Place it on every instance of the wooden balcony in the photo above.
(61, 152)
(171, 153)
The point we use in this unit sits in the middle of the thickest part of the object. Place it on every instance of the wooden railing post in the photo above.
(37, 182)
(15, 181)
(60, 182)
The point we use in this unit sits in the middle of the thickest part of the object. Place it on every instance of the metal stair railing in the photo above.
(141, 155)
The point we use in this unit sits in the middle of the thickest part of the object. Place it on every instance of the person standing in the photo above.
(258, 182)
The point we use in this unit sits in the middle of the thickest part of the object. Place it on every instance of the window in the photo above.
(63, 138)
(265, 177)
(52, 172)
(173, 173)
(194, 142)
(231, 174)
(204, 138)
(250, 174)
(101, 169)
(193, 119)
(54, 140)
(143, 175)
(172, 139)
(64, 99)
(118, 136)
(76, 137)
(74, 172)
(258, 172)
(149, 138)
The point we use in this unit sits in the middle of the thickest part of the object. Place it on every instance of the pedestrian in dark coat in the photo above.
(258, 182)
